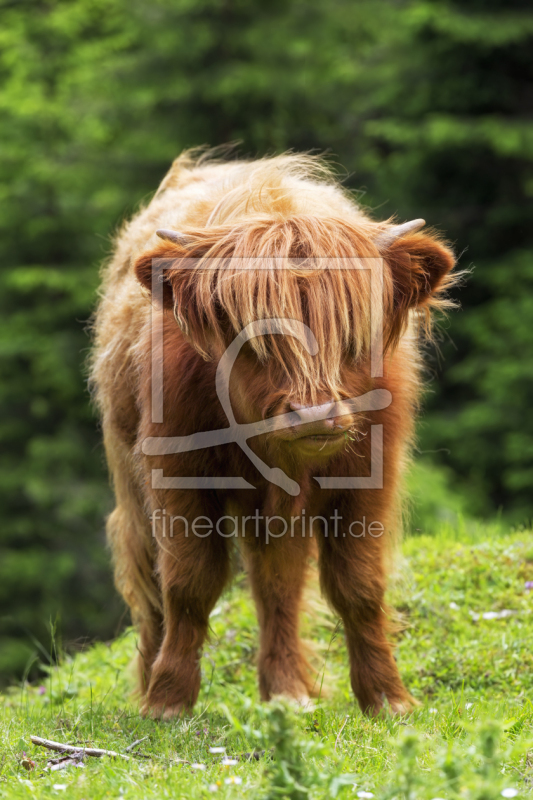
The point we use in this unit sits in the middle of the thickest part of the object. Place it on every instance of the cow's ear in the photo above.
(153, 268)
(183, 292)
(420, 267)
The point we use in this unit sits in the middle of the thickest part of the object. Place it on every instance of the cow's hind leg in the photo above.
(128, 533)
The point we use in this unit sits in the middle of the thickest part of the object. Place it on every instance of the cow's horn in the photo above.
(390, 235)
(173, 236)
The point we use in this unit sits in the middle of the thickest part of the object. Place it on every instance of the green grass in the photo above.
(472, 736)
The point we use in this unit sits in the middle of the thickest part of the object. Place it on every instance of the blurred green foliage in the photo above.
(428, 107)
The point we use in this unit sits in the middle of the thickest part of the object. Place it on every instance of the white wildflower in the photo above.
(503, 614)
(498, 614)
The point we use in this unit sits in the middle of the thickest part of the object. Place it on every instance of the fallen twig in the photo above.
(70, 748)
(63, 762)
(131, 746)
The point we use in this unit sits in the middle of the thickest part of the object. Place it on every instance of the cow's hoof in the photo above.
(164, 712)
(398, 708)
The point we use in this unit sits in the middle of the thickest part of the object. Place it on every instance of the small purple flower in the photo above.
(41, 690)
(529, 586)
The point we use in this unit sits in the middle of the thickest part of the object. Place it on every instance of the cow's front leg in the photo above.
(193, 570)
(151, 637)
(277, 571)
(352, 577)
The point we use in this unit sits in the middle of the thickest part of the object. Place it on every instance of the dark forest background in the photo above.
(427, 108)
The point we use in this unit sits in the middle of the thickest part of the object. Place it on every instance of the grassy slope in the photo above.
(468, 739)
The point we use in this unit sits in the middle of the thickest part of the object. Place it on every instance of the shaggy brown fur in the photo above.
(287, 207)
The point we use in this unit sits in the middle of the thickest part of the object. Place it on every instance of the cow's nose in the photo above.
(313, 413)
